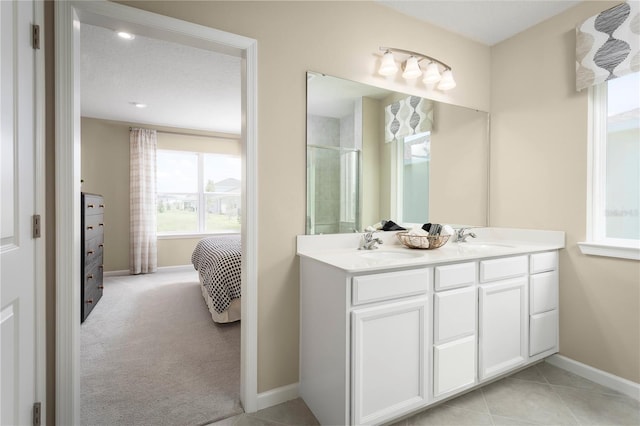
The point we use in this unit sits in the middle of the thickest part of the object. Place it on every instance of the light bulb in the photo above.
(447, 82)
(432, 74)
(411, 68)
(388, 66)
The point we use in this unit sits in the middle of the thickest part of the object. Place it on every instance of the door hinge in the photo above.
(37, 414)
(35, 36)
(35, 226)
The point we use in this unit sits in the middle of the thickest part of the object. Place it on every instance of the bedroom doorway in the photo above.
(68, 17)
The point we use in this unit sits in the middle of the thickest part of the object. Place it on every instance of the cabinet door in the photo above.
(389, 364)
(503, 326)
(544, 332)
(454, 365)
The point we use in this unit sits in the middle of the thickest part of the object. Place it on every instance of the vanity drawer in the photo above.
(390, 285)
(542, 262)
(457, 275)
(543, 292)
(508, 267)
(454, 314)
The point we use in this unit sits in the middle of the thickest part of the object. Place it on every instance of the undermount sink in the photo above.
(479, 245)
(388, 255)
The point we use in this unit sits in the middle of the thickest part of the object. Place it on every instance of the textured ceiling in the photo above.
(488, 22)
(183, 86)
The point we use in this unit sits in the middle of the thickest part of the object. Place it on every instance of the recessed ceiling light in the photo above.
(126, 35)
(138, 104)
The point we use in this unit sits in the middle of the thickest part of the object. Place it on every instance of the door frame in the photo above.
(68, 15)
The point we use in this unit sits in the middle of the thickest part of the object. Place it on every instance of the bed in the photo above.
(218, 262)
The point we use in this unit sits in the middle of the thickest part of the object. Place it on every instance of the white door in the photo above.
(503, 325)
(17, 247)
(389, 360)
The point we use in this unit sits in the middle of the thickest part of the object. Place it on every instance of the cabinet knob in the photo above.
(90, 252)
(101, 266)
(101, 206)
(100, 286)
(90, 206)
(101, 245)
(90, 276)
(89, 227)
(101, 224)
(89, 301)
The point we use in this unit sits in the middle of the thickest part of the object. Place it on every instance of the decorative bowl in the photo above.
(424, 242)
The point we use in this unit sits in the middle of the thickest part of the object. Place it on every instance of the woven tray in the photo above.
(424, 242)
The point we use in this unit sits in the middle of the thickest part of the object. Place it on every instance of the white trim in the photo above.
(278, 396)
(249, 323)
(40, 208)
(67, 169)
(193, 236)
(119, 273)
(611, 249)
(68, 185)
(603, 378)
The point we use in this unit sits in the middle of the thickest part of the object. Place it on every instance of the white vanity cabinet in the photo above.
(503, 315)
(378, 343)
(543, 306)
(454, 328)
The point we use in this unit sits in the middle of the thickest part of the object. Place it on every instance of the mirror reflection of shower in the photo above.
(334, 145)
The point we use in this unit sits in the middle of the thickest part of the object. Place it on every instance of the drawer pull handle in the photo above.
(100, 287)
(101, 224)
(90, 276)
(89, 227)
(90, 252)
(101, 266)
(101, 206)
(90, 206)
(89, 302)
(101, 245)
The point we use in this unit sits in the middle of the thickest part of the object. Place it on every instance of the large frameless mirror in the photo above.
(374, 154)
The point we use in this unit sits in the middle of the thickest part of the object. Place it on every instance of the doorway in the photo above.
(68, 16)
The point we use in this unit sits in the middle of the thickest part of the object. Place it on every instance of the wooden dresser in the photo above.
(92, 245)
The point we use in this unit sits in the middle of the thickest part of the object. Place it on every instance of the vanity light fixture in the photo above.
(412, 70)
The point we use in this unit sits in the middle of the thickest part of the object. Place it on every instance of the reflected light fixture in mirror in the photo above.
(412, 70)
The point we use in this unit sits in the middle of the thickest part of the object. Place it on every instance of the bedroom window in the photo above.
(198, 193)
(614, 193)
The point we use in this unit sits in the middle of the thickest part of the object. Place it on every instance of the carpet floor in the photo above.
(151, 355)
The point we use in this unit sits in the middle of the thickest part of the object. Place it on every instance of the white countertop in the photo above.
(341, 250)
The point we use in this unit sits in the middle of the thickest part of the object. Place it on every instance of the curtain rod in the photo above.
(187, 134)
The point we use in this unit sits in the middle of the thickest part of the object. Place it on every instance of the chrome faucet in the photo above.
(368, 242)
(461, 237)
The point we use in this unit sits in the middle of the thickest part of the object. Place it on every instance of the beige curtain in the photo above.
(142, 201)
(607, 45)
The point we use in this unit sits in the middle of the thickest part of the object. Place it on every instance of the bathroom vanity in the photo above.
(387, 332)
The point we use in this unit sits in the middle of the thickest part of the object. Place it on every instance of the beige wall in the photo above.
(337, 38)
(371, 141)
(105, 170)
(539, 176)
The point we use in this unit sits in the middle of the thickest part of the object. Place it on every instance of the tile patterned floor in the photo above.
(540, 395)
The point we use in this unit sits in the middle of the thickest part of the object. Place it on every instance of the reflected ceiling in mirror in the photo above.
(374, 154)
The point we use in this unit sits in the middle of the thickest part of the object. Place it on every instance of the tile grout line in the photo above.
(564, 404)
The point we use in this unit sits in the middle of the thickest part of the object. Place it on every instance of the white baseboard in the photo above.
(178, 268)
(603, 378)
(277, 396)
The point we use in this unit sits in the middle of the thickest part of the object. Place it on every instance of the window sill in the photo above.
(622, 250)
(194, 235)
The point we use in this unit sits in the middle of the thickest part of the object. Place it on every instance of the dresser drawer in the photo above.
(92, 204)
(508, 267)
(543, 292)
(457, 275)
(93, 278)
(93, 226)
(542, 262)
(93, 249)
(390, 285)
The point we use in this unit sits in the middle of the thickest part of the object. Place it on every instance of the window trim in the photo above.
(597, 244)
(201, 200)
